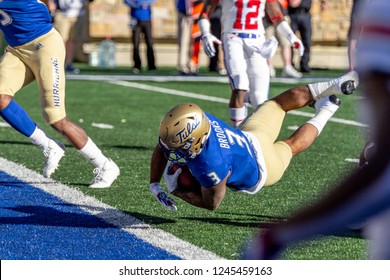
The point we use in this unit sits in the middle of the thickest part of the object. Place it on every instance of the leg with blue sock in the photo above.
(18, 118)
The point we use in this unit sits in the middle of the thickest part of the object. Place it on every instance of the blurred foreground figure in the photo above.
(366, 193)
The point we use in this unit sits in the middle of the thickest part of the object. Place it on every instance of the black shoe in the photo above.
(182, 73)
(333, 98)
(305, 69)
(348, 87)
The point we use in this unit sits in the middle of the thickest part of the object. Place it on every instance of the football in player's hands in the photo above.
(185, 181)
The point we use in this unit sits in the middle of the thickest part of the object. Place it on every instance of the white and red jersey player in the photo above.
(245, 48)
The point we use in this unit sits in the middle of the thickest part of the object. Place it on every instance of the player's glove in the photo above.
(170, 177)
(285, 30)
(208, 39)
(162, 197)
(296, 43)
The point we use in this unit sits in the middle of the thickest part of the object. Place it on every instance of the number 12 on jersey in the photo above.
(247, 15)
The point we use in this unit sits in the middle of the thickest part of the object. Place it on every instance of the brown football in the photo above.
(186, 180)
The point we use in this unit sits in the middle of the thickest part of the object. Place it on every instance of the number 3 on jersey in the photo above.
(214, 177)
(247, 16)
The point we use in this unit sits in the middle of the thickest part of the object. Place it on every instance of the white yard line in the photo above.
(352, 160)
(217, 99)
(156, 237)
(218, 79)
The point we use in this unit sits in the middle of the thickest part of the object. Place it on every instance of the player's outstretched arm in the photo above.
(157, 167)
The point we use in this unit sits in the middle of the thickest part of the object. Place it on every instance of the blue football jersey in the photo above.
(226, 149)
(23, 20)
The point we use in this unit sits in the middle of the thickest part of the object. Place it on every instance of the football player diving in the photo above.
(244, 159)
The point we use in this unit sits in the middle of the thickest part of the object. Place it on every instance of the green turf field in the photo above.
(135, 115)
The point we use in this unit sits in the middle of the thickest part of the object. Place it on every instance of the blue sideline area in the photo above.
(35, 225)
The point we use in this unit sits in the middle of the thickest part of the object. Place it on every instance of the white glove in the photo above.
(285, 30)
(208, 39)
(296, 43)
(171, 178)
(162, 197)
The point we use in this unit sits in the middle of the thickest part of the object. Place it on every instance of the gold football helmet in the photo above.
(183, 132)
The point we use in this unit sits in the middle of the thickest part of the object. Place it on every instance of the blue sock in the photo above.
(18, 118)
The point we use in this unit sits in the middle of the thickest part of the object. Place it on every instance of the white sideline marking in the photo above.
(219, 100)
(156, 237)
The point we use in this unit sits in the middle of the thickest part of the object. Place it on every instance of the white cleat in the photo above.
(290, 71)
(53, 155)
(105, 175)
(346, 84)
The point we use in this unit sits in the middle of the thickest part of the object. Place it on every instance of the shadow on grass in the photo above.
(25, 143)
(255, 222)
(49, 216)
(263, 222)
(126, 147)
